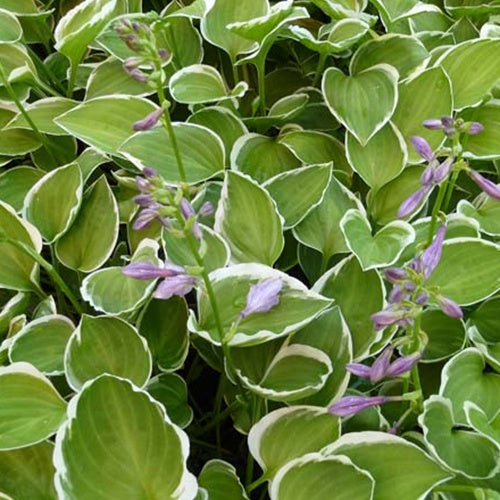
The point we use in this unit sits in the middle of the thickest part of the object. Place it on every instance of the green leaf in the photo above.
(461, 451)
(81, 25)
(201, 150)
(53, 202)
(405, 53)
(463, 379)
(320, 229)
(261, 157)
(42, 343)
(15, 184)
(248, 219)
(131, 426)
(484, 210)
(19, 6)
(14, 142)
(90, 240)
(10, 28)
(223, 122)
(427, 95)
(478, 420)
(461, 259)
(359, 294)
(31, 410)
(106, 344)
(28, 472)
(297, 306)
(269, 440)
(363, 103)
(330, 333)
(178, 251)
(108, 78)
(119, 113)
(381, 159)
(18, 270)
(471, 8)
(314, 476)
(221, 13)
(171, 391)
(485, 319)
(379, 250)
(446, 335)
(168, 340)
(297, 371)
(287, 190)
(473, 67)
(221, 481)
(381, 454)
(199, 83)
(110, 291)
(484, 146)
(42, 113)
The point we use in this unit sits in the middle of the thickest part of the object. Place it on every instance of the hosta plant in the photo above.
(249, 249)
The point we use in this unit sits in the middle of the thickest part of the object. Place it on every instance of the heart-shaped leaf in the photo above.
(485, 210)
(363, 103)
(15, 184)
(220, 480)
(112, 418)
(10, 28)
(379, 250)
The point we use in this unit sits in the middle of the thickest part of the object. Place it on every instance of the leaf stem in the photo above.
(435, 211)
(320, 68)
(261, 75)
(72, 79)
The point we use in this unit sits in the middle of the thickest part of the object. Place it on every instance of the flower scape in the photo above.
(249, 250)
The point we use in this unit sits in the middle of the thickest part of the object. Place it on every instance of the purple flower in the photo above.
(148, 215)
(358, 369)
(447, 121)
(387, 317)
(489, 187)
(262, 297)
(147, 271)
(188, 212)
(144, 200)
(206, 209)
(443, 169)
(180, 285)
(164, 54)
(449, 307)
(475, 128)
(149, 172)
(149, 122)
(433, 124)
(427, 176)
(422, 147)
(432, 254)
(380, 365)
(350, 405)
(394, 274)
(422, 298)
(402, 365)
(397, 294)
(413, 201)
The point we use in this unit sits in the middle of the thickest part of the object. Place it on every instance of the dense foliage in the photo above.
(249, 249)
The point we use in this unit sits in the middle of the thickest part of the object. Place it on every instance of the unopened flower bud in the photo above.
(490, 188)
(475, 128)
(433, 124)
(422, 147)
(149, 122)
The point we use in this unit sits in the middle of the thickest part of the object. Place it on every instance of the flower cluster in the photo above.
(410, 291)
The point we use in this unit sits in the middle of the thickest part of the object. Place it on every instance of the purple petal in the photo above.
(206, 209)
(164, 54)
(475, 128)
(427, 176)
(412, 202)
(380, 365)
(443, 169)
(262, 296)
(358, 369)
(422, 298)
(386, 317)
(132, 63)
(350, 405)
(433, 124)
(138, 75)
(143, 184)
(144, 200)
(432, 255)
(396, 295)
(447, 121)
(394, 274)
(176, 285)
(450, 308)
(150, 121)
(142, 271)
(186, 209)
(402, 365)
(144, 219)
(489, 187)
(149, 172)
(422, 147)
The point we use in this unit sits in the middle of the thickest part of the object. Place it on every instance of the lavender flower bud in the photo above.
(147, 271)
(206, 209)
(380, 365)
(144, 200)
(262, 297)
(145, 218)
(143, 185)
(409, 286)
(422, 298)
(350, 405)
(149, 172)
(475, 128)
(449, 307)
(402, 365)
(396, 295)
(386, 317)
(132, 63)
(422, 147)
(490, 188)
(447, 121)
(138, 75)
(164, 54)
(395, 274)
(443, 169)
(186, 209)
(179, 285)
(427, 176)
(433, 124)
(358, 369)
(432, 254)
(413, 201)
(150, 121)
